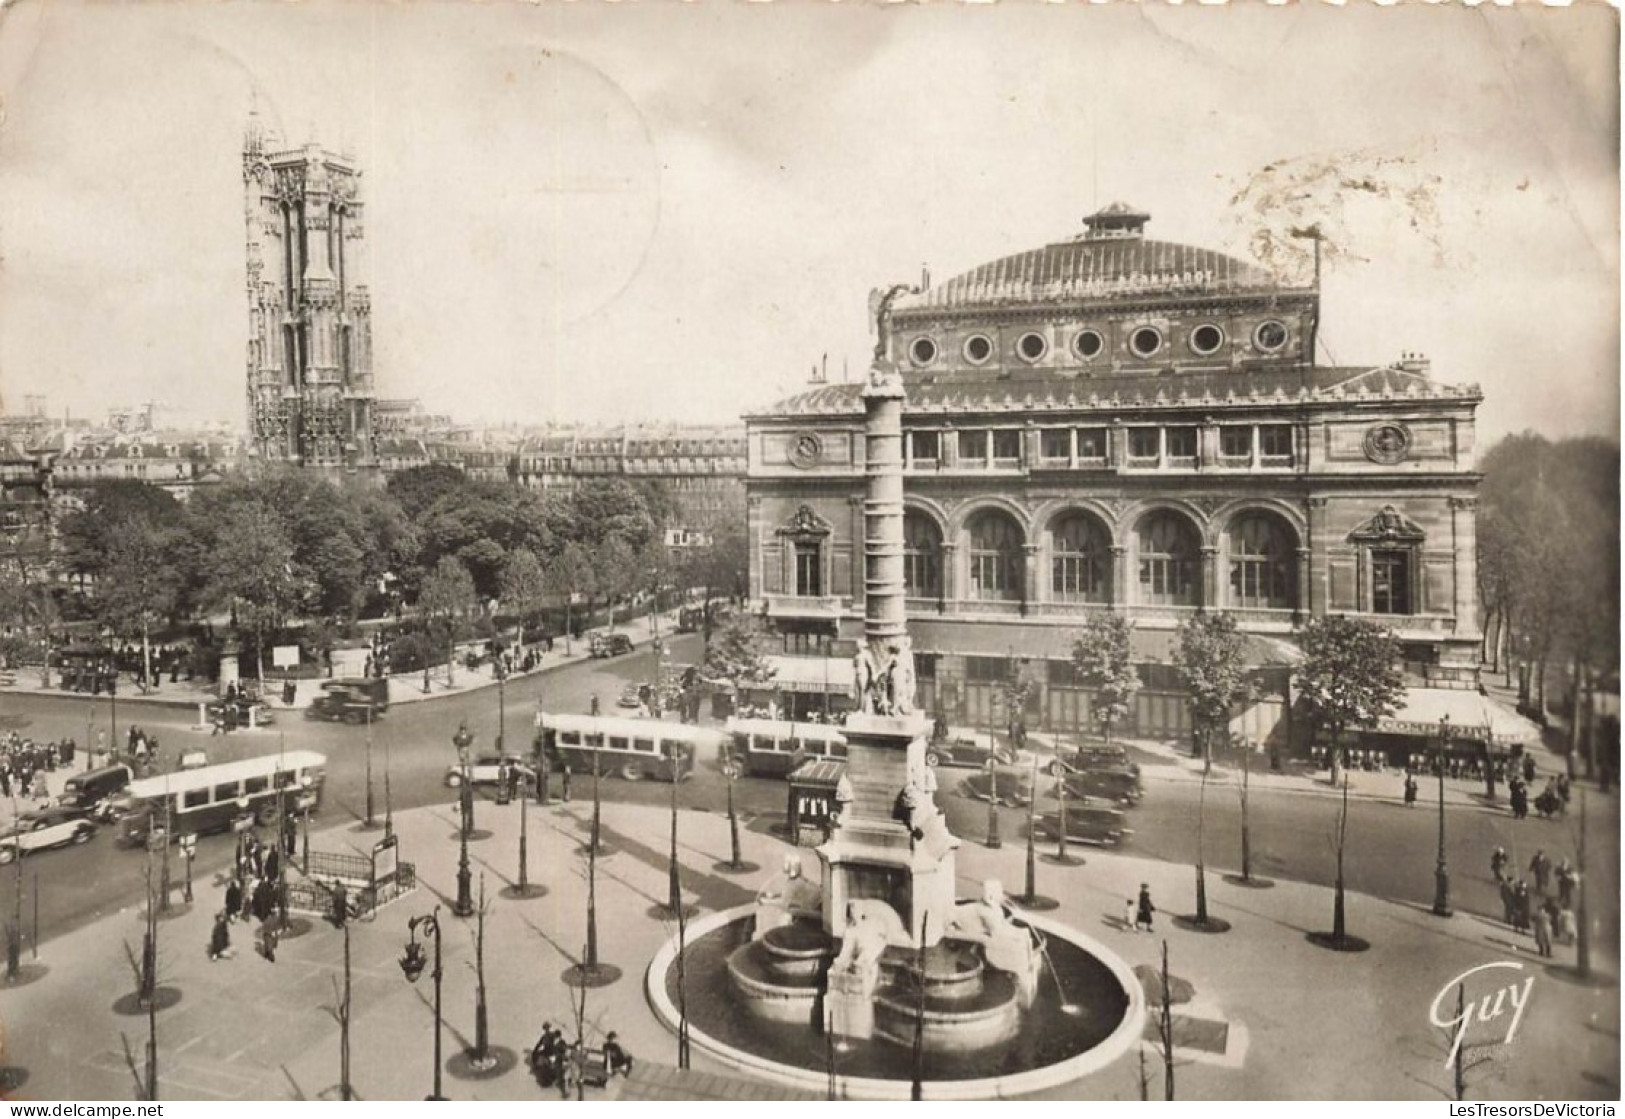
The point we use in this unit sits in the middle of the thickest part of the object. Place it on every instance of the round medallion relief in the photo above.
(806, 449)
(1387, 443)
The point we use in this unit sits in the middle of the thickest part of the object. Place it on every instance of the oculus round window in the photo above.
(1270, 336)
(1145, 341)
(1088, 344)
(1031, 346)
(978, 348)
(1206, 339)
(922, 351)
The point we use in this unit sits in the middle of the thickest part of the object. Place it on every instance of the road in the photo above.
(1391, 849)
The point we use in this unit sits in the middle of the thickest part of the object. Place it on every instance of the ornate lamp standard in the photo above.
(1441, 872)
(412, 963)
(465, 901)
(993, 838)
(371, 821)
(674, 889)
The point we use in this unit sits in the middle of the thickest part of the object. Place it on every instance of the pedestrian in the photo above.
(1144, 910)
(220, 938)
(234, 896)
(617, 1058)
(1541, 867)
(247, 910)
(1529, 769)
(1128, 914)
(1565, 882)
(593, 706)
(1567, 931)
(1520, 906)
(1508, 901)
(565, 780)
(268, 939)
(1543, 931)
(1410, 791)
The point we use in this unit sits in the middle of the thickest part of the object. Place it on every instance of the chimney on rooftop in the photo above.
(1415, 363)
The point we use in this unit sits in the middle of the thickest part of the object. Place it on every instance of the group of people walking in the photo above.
(253, 892)
(24, 764)
(1546, 910)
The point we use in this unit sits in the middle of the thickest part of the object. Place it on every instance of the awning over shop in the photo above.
(1473, 717)
(814, 675)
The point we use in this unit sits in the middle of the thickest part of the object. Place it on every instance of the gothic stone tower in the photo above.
(310, 390)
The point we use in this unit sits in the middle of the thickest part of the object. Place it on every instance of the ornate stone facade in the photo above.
(310, 387)
(1115, 423)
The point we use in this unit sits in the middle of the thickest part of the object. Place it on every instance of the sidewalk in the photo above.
(1288, 1019)
(405, 687)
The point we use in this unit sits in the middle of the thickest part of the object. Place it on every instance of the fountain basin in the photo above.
(960, 1021)
(1089, 1011)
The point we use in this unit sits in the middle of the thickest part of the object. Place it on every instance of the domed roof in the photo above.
(1111, 258)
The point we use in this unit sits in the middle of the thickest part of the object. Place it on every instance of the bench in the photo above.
(592, 1066)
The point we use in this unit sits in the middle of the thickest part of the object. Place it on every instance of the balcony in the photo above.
(829, 607)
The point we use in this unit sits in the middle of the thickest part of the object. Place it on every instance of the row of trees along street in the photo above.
(281, 547)
(1548, 575)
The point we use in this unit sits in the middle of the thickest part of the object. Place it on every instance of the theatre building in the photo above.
(1116, 423)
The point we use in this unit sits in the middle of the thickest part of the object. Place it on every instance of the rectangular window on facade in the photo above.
(1275, 442)
(1144, 443)
(1091, 444)
(1055, 443)
(925, 445)
(1182, 442)
(809, 571)
(1236, 442)
(1006, 446)
(972, 447)
(1390, 582)
(986, 670)
(925, 666)
(1063, 674)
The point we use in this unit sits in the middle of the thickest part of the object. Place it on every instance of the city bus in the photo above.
(213, 798)
(774, 747)
(627, 747)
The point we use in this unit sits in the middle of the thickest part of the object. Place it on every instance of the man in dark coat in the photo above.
(1144, 910)
(234, 896)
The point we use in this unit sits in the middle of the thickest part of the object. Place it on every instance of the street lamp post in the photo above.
(189, 851)
(1441, 872)
(465, 901)
(371, 821)
(412, 967)
(993, 838)
(674, 888)
(730, 770)
(389, 803)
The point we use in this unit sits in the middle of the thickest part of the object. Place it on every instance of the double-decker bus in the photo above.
(212, 798)
(774, 747)
(631, 748)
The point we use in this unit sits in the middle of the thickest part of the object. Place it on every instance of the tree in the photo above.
(447, 595)
(571, 573)
(1103, 661)
(617, 572)
(736, 654)
(250, 571)
(1212, 663)
(720, 567)
(1350, 676)
(1015, 689)
(139, 584)
(523, 586)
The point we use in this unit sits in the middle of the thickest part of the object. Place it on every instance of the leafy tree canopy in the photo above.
(1351, 675)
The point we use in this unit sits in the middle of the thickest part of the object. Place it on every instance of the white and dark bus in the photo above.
(212, 798)
(775, 748)
(625, 747)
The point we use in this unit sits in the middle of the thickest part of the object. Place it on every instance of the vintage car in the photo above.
(1092, 824)
(236, 713)
(1013, 788)
(631, 696)
(57, 826)
(487, 769)
(972, 750)
(609, 644)
(1114, 784)
(349, 700)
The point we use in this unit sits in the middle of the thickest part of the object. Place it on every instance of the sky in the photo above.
(655, 211)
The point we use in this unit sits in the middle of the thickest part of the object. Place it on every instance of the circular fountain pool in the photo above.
(1088, 1011)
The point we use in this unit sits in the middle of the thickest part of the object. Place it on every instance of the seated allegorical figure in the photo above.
(1005, 945)
(870, 926)
(786, 896)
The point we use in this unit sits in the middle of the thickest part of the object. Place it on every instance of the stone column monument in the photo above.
(889, 864)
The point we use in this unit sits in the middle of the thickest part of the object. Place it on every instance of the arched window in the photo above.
(922, 556)
(1168, 558)
(1080, 560)
(995, 557)
(1262, 558)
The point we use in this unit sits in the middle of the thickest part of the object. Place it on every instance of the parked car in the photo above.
(1095, 825)
(57, 826)
(1014, 788)
(236, 714)
(348, 700)
(609, 644)
(487, 769)
(1107, 784)
(631, 696)
(969, 750)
